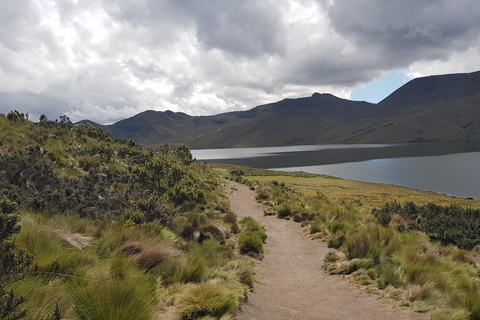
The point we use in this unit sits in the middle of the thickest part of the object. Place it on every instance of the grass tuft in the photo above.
(209, 299)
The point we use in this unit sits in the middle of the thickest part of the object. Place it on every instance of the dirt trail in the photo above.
(293, 284)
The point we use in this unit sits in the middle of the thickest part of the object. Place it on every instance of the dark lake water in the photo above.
(450, 167)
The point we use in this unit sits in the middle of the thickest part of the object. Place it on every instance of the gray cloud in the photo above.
(250, 28)
(406, 31)
(106, 60)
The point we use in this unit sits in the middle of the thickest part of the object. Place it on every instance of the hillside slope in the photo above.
(432, 108)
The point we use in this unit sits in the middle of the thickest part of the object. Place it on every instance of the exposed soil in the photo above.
(76, 240)
(292, 283)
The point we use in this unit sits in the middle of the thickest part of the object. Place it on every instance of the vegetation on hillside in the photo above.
(425, 256)
(448, 225)
(110, 230)
(435, 108)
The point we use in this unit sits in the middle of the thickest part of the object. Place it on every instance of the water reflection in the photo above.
(450, 167)
(454, 174)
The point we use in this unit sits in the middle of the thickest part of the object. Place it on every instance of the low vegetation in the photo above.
(93, 227)
(426, 256)
(251, 240)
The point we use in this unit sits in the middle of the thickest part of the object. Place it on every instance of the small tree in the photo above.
(15, 116)
(183, 152)
(14, 263)
(65, 121)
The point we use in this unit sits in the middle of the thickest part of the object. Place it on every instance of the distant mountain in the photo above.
(445, 107)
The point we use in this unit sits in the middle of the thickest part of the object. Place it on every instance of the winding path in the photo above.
(292, 283)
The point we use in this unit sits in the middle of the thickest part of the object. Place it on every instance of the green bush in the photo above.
(134, 215)
(447, 224)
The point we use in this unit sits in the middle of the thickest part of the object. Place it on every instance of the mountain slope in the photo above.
(445, 107)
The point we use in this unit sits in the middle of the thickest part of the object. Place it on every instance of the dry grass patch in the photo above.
(149, 255)
(371, 195)
(154, 254)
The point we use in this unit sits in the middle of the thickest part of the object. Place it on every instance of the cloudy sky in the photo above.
(107, 60)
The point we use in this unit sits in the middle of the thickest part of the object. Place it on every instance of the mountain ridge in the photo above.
(433, 108)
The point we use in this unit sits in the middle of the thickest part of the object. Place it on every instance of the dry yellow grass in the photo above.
(371, 195)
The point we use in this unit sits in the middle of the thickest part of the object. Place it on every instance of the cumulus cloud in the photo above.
(107, 60)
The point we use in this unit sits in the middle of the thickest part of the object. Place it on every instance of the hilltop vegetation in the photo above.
(110, 230)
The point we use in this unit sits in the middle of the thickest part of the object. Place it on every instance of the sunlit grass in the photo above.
(371, 195)
(124, 273)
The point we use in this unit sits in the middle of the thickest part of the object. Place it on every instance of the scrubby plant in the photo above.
(133, 215)
(13, 262)
(447, 224)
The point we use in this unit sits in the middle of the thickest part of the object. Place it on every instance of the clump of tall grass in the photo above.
(251, 240)
(153, 255)
(250, 243)
(114, 299)
(209, 299)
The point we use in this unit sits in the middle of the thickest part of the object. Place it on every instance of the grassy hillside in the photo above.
(110, 230)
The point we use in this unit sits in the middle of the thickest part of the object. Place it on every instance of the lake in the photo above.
(450, 167)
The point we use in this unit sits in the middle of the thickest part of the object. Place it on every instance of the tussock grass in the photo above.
(250, 243)
(209, 299)
(117, 275)
(128, 299)
(251, 240)
(154, 254)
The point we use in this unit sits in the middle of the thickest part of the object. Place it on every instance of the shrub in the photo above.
(13, 262)
(186, 194)
(447, 224)
(133, 215)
